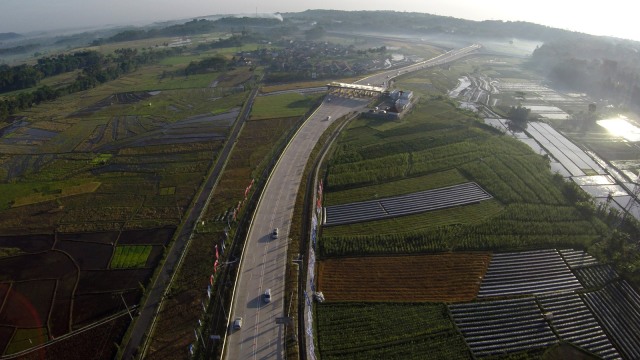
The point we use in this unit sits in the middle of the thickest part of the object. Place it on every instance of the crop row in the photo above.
(541, 213)
(428, 200)
(446, 238)
(511, 186)
(525, 221)
(574, 323)
(617, 306)
(130, 256)
(535, 272)
(438, 277)
(577, 258)
(399, 187)
(596, 276)
(505, 326)
(387, 330)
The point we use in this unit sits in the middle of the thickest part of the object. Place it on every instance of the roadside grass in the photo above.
(130, 256)
(283, 105)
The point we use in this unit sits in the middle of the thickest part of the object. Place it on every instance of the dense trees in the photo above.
(518, 117)
(96, 69)
(602, 67)
(26, 76)
(215, 63)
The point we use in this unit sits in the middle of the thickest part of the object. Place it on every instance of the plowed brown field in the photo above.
(449, 277)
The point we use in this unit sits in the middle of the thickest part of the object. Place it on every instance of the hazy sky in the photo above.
(612, 17)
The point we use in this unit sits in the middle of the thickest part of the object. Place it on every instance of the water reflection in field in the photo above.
(620, 126)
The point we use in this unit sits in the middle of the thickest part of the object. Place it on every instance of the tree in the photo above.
(518, 117)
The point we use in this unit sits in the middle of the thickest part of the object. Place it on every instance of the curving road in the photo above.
(263, 262)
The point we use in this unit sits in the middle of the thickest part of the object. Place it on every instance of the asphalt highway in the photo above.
(264, 262)
(263, 265)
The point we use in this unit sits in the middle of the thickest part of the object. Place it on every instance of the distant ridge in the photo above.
(9, 36)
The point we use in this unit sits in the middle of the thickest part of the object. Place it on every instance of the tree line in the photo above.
(601, 67)
(96, 69)
(25, 76)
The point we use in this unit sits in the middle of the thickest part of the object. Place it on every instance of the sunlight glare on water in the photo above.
(621, 127)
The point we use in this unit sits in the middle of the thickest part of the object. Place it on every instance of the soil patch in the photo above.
(449, 277)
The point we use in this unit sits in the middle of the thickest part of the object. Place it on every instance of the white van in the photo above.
(267, 296)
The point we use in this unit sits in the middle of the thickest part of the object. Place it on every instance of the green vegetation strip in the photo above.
(130, 256)
(387, 331)
(283, 105)
(21, 194)
(394, 188)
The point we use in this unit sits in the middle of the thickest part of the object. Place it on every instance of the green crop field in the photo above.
(387, 331)
(283, 105)
(393, 188)
(26, 338)
(26, 193)
(130, 256)
(435, 146)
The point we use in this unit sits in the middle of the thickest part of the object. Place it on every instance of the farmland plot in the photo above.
(596, 276)
(457, 195)
(577, 258)
(574, 323)
(617, 306)
(534, 272)
(440, 277)
(503, 326)
(388, 331)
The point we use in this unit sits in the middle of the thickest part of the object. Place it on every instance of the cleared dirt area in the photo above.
(448, 277)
